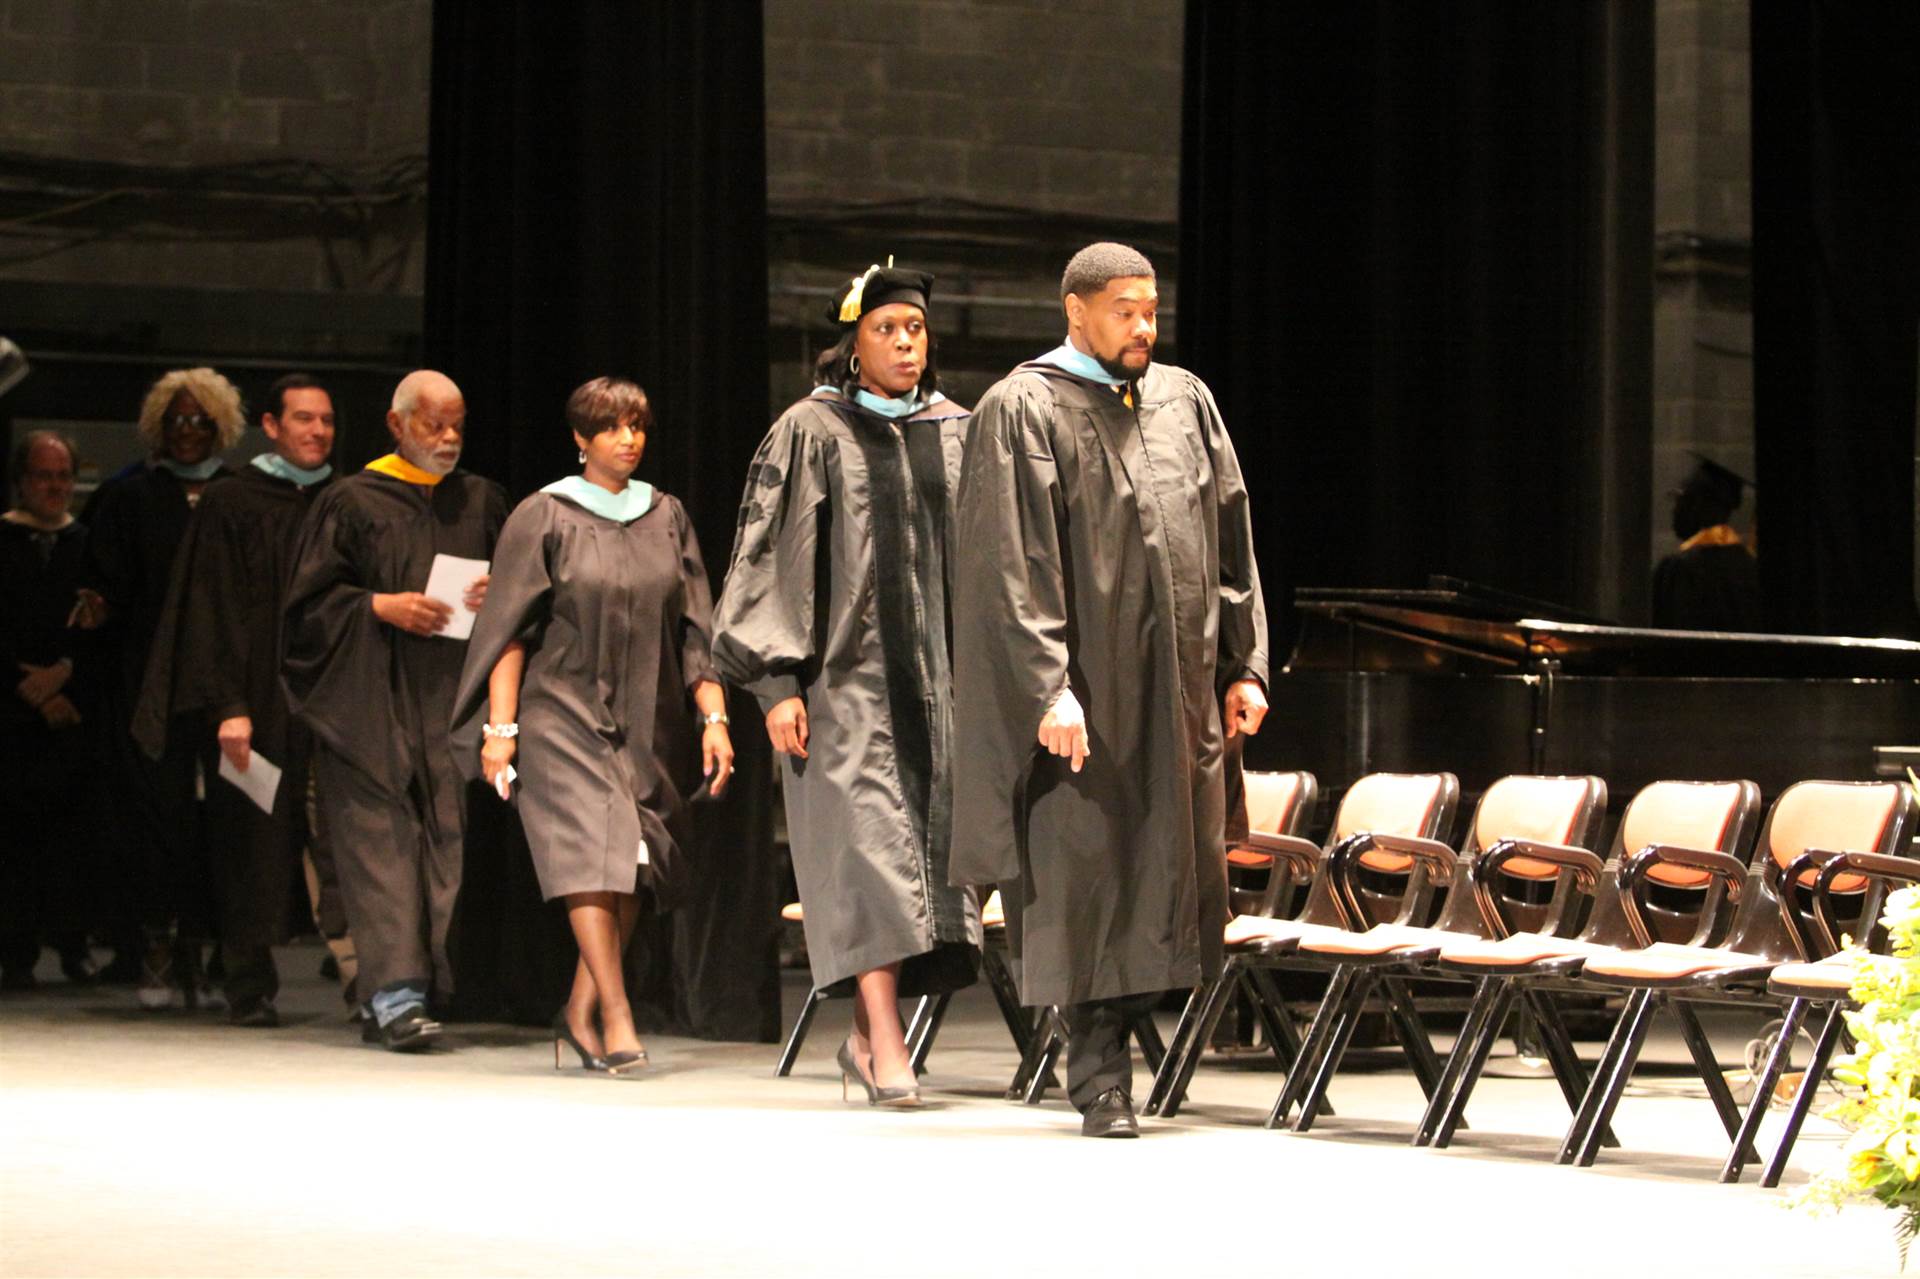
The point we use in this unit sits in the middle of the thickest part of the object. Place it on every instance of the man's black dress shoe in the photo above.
(411, 1032)
(1110, 1115)
(259, 1014)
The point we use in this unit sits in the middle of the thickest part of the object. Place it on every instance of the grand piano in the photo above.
(1481, 683)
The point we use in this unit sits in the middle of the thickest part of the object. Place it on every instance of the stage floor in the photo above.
(172, 1144)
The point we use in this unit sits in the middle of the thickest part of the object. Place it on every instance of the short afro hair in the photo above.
(1094, 266)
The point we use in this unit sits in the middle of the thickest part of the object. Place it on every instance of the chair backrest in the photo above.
(1419, 804)
(1863, 817)
(1278, 803)
(1271, 804)
(1713, 815)
(1852, 817)
(1546, 810)
(1716, 816)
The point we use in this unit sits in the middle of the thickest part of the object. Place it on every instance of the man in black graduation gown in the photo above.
(216, 665)
(1108, 624)
(135, 522)
(367, 669)
(43, 756)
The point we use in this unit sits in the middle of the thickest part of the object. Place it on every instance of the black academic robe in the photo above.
(616, 619)
(40, 576)
(45, 858)
(838, 594)
(1708, 588)
(1109, 549)
(216, 655)
(135, 523)
(216, 651)
(378, 698)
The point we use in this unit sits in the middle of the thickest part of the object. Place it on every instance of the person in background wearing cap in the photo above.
(1712, 582)
(835, 616)
(1109, 633)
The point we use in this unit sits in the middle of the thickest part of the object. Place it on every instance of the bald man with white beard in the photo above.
(367, 668)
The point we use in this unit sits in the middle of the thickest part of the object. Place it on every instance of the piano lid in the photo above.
(1460, 627)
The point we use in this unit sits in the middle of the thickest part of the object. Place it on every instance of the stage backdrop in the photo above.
(1836, 311)
(1415, 268)
(597, 205)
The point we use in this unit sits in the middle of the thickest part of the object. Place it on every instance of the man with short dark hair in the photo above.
(215, 667)
(1108, 625)
(367, 668)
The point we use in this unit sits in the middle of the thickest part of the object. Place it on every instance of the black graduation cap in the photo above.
(877, 287)
(1710, 479)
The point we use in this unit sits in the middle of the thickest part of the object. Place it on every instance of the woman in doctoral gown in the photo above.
(835, 616)
(590, 662)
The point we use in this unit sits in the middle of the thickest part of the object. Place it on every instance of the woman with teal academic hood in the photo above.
(835, 617)
(589, 702)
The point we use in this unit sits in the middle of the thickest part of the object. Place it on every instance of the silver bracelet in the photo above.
(500, 730)
(715, 717)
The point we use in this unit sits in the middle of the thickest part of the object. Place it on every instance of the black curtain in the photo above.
(597, 205)
(1414, 267)
(1836, 311)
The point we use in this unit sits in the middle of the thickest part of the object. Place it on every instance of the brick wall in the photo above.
(339, 83)
(201, 81)
(1061, 105)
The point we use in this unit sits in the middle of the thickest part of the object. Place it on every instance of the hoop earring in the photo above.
(583, 455)
(853, 364)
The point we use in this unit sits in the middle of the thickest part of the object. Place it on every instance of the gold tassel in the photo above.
(850, 308)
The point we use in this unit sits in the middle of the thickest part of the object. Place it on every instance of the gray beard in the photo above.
(426, 461)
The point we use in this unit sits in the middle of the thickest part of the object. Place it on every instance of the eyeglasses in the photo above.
(198, 421)
(50, 477)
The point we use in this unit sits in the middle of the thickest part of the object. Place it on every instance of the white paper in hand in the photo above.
(260, 783)
(447, 581)
(503, 782)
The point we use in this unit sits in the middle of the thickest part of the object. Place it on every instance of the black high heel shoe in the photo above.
(895, 1098)
(563, 1034)
(625, 1064)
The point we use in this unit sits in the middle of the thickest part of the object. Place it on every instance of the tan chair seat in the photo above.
(792, 913)
(1248, 858)
(1383, 939)
(1665, 960)
(1832, 975)
(1520, 950)
(1246, 929)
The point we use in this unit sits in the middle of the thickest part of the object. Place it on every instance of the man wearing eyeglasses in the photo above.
(43, 754)
(369, 670)
(135, 522)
